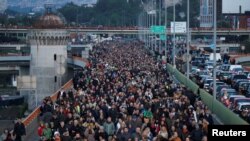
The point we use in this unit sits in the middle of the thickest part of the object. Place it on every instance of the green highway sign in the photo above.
(163, 37)
(158, 29)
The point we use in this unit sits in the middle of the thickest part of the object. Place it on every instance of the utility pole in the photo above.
(174, 65)
(214, 47)
(166, 25)
(160, 48)
(188, 38)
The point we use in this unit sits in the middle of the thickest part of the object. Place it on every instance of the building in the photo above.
(206, 13)
(244, 21)
(48, 46)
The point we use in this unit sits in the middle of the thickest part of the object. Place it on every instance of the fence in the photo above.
(222, 112)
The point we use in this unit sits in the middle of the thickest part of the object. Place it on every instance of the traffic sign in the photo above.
(180, 27)
(163, 37)
(158, 29)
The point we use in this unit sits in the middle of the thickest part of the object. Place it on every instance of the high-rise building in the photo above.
(206, 13)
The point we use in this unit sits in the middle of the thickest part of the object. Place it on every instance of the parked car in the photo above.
(236, 77)
(237, 70)
(243, 88)
(239, 100)
(206, 83)
(223, 76)
(238, 83)
(211, 86)
(243, 106)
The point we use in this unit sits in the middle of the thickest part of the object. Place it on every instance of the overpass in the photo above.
(10, 60)
(19, 55)
(17, 32)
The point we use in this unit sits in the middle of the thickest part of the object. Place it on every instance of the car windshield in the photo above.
(238, 69)
(225, 73)
(209, 81)
(221, 87)
(231, 92)
(244, 107)
(240, 77)
(203, 73)
(225, 68)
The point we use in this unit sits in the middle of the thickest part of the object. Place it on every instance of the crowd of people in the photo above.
(16, 133)
(124, 95)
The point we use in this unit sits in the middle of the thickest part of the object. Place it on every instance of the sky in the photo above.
(3, 5)
(232, 6)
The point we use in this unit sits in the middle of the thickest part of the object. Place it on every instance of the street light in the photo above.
(154, 23)
(153, 13)
(160, 3)
(166, 24)
(174, 65)
(188, 38)
(214, 51)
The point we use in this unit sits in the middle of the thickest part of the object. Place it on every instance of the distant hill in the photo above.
(25, 6)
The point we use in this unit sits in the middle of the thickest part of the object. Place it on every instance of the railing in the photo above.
(28, 120)
(222, 112)
(120, 28)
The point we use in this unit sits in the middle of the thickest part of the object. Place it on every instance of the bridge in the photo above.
(17, 32)
(19, 55)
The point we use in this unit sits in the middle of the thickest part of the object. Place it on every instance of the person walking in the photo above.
(19, 130)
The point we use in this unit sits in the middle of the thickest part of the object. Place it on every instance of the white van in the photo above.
(234, 66)
(218, 56)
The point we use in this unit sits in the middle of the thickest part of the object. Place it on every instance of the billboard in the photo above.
(180, 27)
(233, 6)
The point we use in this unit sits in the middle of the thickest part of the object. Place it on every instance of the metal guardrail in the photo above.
(134, 30)
(222, 112)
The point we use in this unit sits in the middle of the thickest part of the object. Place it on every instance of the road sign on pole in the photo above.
(163, 37)
(158, 29)
(180, 27)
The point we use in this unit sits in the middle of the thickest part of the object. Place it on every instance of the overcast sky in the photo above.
(232, 6)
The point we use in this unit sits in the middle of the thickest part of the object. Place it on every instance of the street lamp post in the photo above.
(166, 25)
(152, 41)
(155, 23)
(174, 65)
(147, 28)
(214, 51)
(144, 27)
(188, 38)
(160, 48)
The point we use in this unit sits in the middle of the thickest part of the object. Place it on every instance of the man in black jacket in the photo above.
(19, 130)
